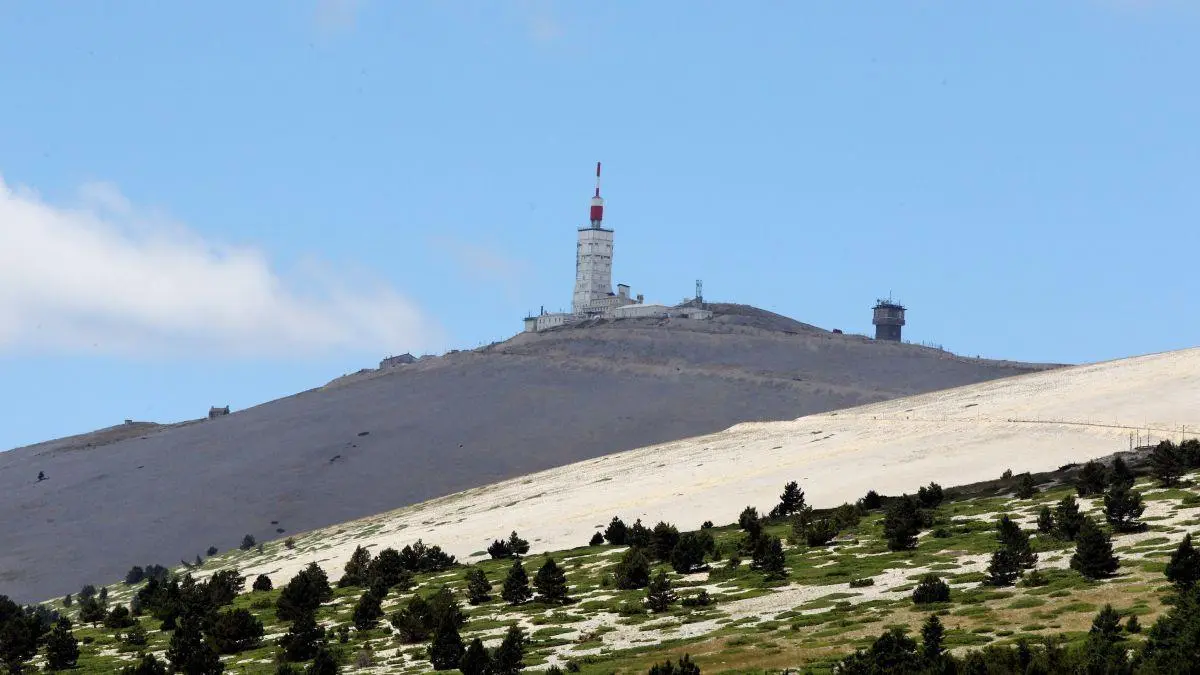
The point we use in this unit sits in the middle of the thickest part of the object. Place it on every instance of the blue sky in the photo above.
(226, 202)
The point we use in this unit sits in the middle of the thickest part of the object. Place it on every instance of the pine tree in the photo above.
(659, 594)
(902, 524)
(516, 585)
(1183, 570)
(688, 554)
(324, 663)
(930, 589)
(136, 635)
(261, 583)
(1067, 518)
(190, 653)
(633, 570)
(1121, 475)
(597, 540)
(1122, 508)
(414, 621)
(1013, 539)
(355, 571)
(62, 649)
(1003, 569)
(235, 630)
(1045, 520)
(664, 538)
(551, 584)
(368, 610)
(792, 499)
(303, 639)
(1102, 653)
(517, 545)
(774, 563)
(479, 589)
(1026, 488)
(616, 532)
(476, 660)
(930, 497)
(1093, 557)
(1091, 479)
(507, 660)
(932, 635)
(639, 536)
(1166, 463)
(749, 521)
(446, 651)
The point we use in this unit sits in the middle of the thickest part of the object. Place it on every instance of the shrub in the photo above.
(147, 665)
(212, 550)
(902, 524)
(136, 635)
(1007, 475)
(1132, 625)
(261, 583)
(860, 583)
(597, 539)
(706, 525)
(1034, 579)
(701, 599)
(684, 666)
(289, 543)
(846, 516)
(931, 589)
(247, 542)
(119, 618)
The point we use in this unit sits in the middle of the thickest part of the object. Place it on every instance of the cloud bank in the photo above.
(105, 277)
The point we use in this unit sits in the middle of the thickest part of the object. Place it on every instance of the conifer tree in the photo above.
(902, 524)
(596, 540)
(446, 651)
(355, 572)
(774, 563)
(1067, 518)
(1093, 557)
(639, 536)
(1003, 569)
(932, 635)
(324, 663)
(62, 649)
(190, 653)
(1102, 653)
(1091, 480)
(1183, 570)
(507, 660)
(931, 496)
(749, 521)
(616, 532)
(792, 499)
(476, 660)
(517, 545)
(261, 583)
(551, 583)
(479, 589)
(304, 638)
(368, 610)
(659, 594)
(136, 635)
(1166, 463)
(1121, 475)
(1045, 520)
(516, 585)
(1026, 488)
(688, 554)
(148, 665)
(1122, 508)
(664, 538)
(1013, 539)
(633, 570)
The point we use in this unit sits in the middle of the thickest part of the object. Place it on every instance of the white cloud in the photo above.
(102, 276)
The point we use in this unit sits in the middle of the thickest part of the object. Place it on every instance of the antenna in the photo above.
(700, 291)
(597, 212)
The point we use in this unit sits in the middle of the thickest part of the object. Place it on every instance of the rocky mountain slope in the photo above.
(384, 439)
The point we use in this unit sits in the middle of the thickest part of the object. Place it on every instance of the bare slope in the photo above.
(1036, 422)
(382, 440)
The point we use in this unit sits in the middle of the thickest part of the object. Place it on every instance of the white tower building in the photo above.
(593, 263)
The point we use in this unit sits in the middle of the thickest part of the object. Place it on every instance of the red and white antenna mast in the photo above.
(597, 202)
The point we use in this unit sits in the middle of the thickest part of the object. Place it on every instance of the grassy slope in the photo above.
(812, 619)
